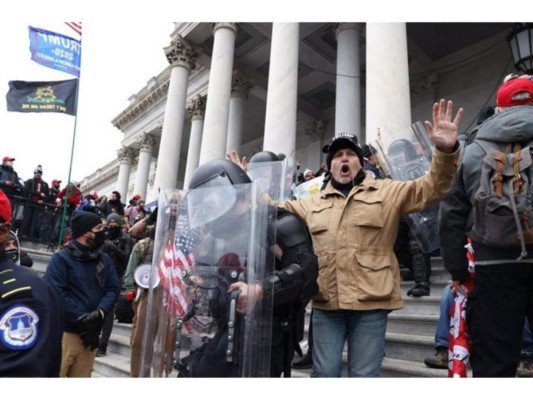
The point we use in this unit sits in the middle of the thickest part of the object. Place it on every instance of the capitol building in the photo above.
(290, 87)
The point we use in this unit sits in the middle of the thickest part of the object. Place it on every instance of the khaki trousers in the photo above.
(76, 360)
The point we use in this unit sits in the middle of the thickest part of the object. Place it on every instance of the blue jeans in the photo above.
(365, 332)
(443, 325)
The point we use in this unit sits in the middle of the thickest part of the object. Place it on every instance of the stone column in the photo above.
(125, 155)
(315, 133)
(146, 142)
(181, 56)
(388, 102)
(240, 89)
(348, 89)
(280, 121)
(218, 93)
(196, 110)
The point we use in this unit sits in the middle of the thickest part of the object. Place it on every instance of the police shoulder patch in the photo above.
(19, 328)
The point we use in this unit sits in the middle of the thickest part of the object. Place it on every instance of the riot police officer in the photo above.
(292, 283)
(30, 316)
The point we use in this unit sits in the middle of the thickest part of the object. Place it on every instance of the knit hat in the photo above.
(307, 171)
(83, 221)
(38, 169)
(515, 91)
(342, 141)
(5, 207)
(114, 218)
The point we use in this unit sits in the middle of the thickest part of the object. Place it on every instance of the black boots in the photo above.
(421, 271)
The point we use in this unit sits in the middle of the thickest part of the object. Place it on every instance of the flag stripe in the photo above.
(76, 26)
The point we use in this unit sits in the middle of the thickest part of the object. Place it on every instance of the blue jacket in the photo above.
(77, 285)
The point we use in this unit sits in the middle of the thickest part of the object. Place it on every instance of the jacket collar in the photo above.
(368, 183)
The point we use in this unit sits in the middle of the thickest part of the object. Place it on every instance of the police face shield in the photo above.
(406, 155)
(197, 324)
(273, 177)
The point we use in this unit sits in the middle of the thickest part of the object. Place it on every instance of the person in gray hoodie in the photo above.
(503, 291)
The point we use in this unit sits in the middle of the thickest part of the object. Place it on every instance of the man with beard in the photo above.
(30, 318)
(354, 223)
(86, 283)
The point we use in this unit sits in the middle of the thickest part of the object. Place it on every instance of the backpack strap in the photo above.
(499, 157)
(518, 183)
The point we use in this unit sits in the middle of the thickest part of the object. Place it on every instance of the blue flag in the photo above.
(55, 51)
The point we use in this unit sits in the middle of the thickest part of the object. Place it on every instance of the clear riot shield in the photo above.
(308, 188)
(206, 240)
(406, 155)
(273, 177)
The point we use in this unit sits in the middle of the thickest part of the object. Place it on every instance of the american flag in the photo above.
(458, 342)
(76, 26)
(177, 259)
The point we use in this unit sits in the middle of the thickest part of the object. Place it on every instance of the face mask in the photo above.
(113, 232)
(99, 239)
(13, 255)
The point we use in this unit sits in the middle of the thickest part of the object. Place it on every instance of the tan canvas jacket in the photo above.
(353, 237)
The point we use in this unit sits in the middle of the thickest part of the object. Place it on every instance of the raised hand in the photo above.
(443, 131)
(241, 162)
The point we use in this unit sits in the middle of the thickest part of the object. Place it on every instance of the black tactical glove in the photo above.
(90, 340)
(90, 322)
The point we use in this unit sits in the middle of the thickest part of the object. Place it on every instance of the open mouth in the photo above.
(345, 169)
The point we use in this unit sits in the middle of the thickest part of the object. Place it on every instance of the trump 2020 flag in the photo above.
(52, 96)
(55, 51)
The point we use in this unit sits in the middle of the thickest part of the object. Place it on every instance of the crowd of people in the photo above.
(350, 231)
(41, 212)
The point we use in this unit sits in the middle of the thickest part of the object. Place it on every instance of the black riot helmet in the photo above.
(218, 172)
(264, 156)
(215, 190)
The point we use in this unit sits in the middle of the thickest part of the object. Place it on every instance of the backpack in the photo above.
(502, 208)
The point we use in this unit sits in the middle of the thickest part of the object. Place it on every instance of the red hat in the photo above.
(94, 193)
(56, 181)
(516, 91)
(136, 197)
(5, 207)
(7, 158)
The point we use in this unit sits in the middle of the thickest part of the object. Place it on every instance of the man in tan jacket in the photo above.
(354, 223)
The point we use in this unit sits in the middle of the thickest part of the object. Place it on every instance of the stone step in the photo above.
(400, 368)
(409, 347)
(410, 323)
(112, 365)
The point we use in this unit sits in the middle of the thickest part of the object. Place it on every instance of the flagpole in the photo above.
(65, 203)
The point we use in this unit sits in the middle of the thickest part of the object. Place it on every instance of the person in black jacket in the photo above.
(30, 316)
(118, 246)
(86, 283)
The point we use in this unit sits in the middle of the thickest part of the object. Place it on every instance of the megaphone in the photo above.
(142, 276)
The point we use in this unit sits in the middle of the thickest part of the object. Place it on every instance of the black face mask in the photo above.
(113, 232)
(99, 239)
(13, 255)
